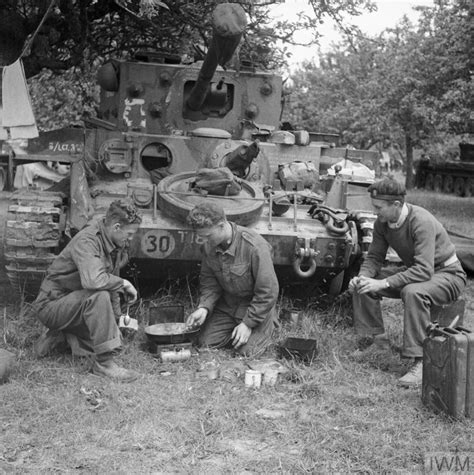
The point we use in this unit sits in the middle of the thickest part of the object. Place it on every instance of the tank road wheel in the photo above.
(459, 186)
(438, 183)
(33, 230)
(448, 185)
(429, 182)
(176, 199)
(469, 188)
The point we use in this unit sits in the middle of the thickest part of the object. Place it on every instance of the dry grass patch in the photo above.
(337, 414)
(455, 213)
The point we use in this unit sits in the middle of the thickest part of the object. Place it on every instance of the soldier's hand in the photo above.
(196, 319)
(366, 285)
(131, 293)
(240, 335)
(353, 284)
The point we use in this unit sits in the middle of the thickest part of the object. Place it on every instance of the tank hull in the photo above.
(456, 177)
(161, 238)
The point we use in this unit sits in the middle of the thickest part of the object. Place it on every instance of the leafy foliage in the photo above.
(76, 31)
(80, 34)
(411, 86)
(63, 99)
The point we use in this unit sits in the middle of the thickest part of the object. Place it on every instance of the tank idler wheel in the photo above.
(438, 184)
(459, 186)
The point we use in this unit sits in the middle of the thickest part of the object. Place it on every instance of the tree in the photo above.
(75, 31)
(78, 35)
(429, 86)
(343, 99)
(409, 85)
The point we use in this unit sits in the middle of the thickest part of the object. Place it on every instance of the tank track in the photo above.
(33, 232)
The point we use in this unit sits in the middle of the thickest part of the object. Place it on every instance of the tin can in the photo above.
(253, 379)
(170, 356)
(295, 318)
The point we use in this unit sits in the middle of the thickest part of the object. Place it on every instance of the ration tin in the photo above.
(448, 371)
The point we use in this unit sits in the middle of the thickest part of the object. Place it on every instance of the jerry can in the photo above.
(448, 371)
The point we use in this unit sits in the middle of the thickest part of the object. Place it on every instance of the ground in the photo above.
(339, 414)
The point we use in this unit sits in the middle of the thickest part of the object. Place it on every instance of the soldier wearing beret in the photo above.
(432, 274)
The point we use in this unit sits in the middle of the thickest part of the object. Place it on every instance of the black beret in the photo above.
(387, 189)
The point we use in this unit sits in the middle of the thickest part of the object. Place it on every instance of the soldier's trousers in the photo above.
(86, 314)
(217, 330)
(445, 286)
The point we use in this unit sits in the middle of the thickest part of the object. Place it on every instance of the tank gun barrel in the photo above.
(229, 22)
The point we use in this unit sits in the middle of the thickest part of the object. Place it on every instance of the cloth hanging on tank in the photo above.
(17, 114)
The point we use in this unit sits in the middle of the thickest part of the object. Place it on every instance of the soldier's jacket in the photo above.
(89, 261)
(242, 276)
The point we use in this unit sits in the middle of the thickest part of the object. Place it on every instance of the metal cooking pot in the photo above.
(167, 333)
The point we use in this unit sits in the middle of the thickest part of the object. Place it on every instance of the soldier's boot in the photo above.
(105, 366)
(414, 375)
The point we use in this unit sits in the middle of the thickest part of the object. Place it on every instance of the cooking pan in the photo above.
(167, 333)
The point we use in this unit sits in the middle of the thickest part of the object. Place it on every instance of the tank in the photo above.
(456, 176)
(160, 121)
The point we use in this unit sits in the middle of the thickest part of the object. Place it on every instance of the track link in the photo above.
(33, 231)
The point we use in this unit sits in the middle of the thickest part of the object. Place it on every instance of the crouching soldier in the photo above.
(239, 287)
(79, 296)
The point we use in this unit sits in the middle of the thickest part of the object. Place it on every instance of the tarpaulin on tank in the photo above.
(353, 171)
(464, 250)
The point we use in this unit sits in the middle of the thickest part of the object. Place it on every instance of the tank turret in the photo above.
(158, 93)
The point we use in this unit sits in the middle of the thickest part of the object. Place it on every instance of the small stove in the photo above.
(170, 347)
(173, 352)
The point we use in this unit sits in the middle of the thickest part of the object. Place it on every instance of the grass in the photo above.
(338, 414)
(456, 214)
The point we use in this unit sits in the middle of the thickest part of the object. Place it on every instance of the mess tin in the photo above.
(166, 333)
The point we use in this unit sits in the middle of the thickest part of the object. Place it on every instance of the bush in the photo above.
(63, 99)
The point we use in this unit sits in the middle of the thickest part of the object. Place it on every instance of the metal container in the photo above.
(167, 333)
(302, 349)
(448, 371)
(174, 356)
(253, 379)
